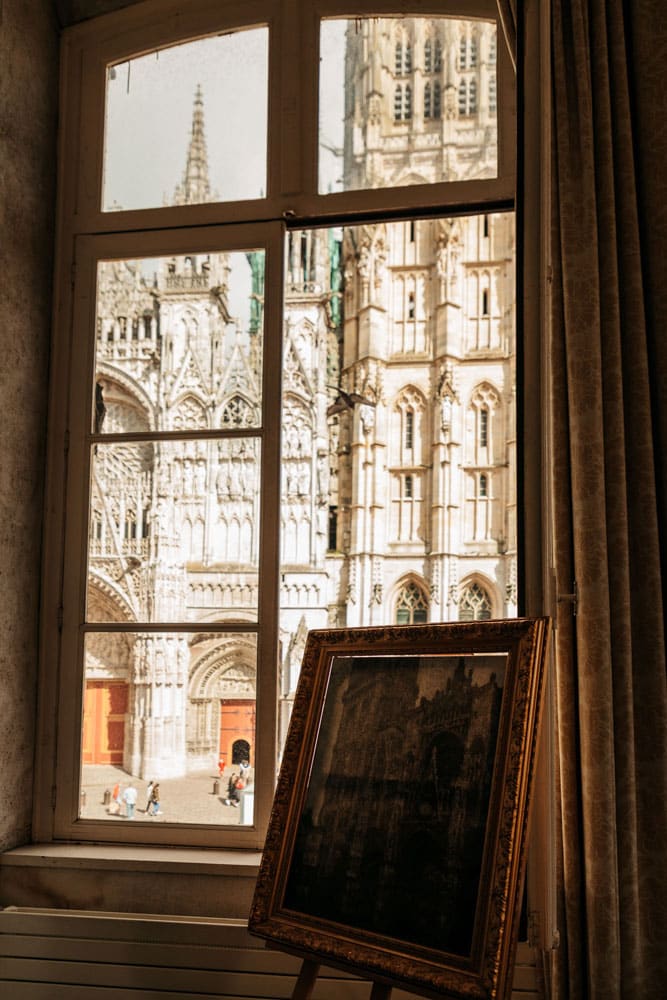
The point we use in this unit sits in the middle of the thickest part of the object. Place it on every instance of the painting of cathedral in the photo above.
(391, 835)
(398, 491)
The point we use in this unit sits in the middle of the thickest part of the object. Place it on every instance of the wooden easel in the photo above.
(305, 984)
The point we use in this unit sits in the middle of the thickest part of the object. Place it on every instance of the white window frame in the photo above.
(85, 232)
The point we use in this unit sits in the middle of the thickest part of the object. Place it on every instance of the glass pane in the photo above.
(174, 531)
(174, 710)
(213, 94)
(391, 356)
(179, 343)
(405, 101)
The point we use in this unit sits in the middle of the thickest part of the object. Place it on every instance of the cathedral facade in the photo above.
(398, 491)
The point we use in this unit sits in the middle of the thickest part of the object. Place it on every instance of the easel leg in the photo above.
(303, 988)
(380, 992)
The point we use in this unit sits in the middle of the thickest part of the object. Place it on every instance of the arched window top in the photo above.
(411, 605)
(238, 412)
(411, 399)
(485, 396)
(474, 604)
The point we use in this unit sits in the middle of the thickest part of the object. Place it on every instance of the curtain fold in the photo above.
(507, 13)
(608, 417)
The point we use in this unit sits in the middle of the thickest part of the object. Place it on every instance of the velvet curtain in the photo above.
(609, 377)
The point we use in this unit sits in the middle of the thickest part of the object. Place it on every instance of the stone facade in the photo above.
(398, 496)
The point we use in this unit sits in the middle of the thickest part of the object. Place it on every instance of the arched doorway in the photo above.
(237, 729)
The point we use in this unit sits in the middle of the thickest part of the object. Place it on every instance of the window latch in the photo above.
(572, 598)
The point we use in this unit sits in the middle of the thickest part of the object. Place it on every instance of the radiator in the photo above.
(72, 955)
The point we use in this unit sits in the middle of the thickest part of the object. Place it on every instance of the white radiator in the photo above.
(72, 955)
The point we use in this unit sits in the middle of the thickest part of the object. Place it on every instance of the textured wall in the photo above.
(28, 105)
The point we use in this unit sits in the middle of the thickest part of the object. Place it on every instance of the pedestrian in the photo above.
(232, 791)
(155, 800)
(114, 805)
(130, 800)
(149, 796)
(244, 768)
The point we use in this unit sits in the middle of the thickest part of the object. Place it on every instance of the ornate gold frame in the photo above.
(330, 864)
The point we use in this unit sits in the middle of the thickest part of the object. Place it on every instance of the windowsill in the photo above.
(131, 857)
(190, 882)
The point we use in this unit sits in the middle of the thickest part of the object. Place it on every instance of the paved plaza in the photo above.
(196, 798)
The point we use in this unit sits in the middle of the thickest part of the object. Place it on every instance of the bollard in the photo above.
(107, 797)
(216, 787)
(83, 797)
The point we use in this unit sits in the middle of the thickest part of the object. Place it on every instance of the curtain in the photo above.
(609, 377)
(507, 15)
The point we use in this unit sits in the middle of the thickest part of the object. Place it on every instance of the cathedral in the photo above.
(398, 493)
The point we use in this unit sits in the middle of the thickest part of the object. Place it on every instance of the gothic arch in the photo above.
(237, 410)
(482, 415)
(106, 601)
(189, 413)
(132, 394)
(227, 667)
(478, 598)
(410, 600)
(408, 425)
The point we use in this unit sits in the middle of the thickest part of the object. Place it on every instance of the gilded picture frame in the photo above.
(396, 843)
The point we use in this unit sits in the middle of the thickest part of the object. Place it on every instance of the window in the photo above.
(398, 59)
(398, 103)
(260, 317)
(411, 605)
(483, 427)
(409, 429)
(428, 56)
(474, 604)
(437, 99)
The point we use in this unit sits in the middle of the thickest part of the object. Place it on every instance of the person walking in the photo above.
(232, 791)
(154, 804)
(130, 800)
(149, 796)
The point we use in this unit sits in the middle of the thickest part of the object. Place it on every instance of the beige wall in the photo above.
(28, 105)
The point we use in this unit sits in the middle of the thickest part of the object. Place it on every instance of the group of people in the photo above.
(128, 799)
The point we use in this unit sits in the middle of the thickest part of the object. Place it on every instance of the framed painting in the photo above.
(397, 838)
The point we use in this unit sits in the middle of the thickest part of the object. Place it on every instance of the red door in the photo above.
(104, 710)
(237, 726)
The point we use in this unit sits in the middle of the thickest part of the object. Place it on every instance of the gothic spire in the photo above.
(195, 188)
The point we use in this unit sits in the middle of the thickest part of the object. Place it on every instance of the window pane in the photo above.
(406, 101)
(384, 378)
(179, 343)
(174, 531)
(188, 124)
(175, 709)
